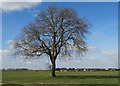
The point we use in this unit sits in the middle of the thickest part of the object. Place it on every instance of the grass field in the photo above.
(69, 77)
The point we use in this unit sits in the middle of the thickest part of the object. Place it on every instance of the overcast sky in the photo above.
(102, 44)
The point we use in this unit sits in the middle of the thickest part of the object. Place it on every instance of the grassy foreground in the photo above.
(69, 77)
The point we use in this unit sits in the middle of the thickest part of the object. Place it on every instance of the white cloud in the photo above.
(3, 52)
(110, 53)
(13, 6)
(10, 44)
(90, 47)
(28, 62)
(92, 58)
(9, 41)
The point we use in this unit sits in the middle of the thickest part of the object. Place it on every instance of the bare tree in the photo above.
(53, 32)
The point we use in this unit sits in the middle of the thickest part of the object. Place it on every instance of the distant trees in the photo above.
(53, 32)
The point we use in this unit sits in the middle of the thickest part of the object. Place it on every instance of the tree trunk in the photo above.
(53, 68)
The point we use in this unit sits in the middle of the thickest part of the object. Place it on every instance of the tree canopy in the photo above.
(53, 32)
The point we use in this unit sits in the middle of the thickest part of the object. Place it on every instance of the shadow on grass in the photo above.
(87, 77)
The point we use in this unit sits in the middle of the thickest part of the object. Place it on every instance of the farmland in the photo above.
(69, 77)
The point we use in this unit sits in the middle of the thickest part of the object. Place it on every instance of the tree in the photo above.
(52, 33)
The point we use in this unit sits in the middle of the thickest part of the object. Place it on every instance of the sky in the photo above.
(102, 43)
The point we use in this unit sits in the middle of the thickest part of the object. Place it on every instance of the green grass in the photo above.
(69, 77)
